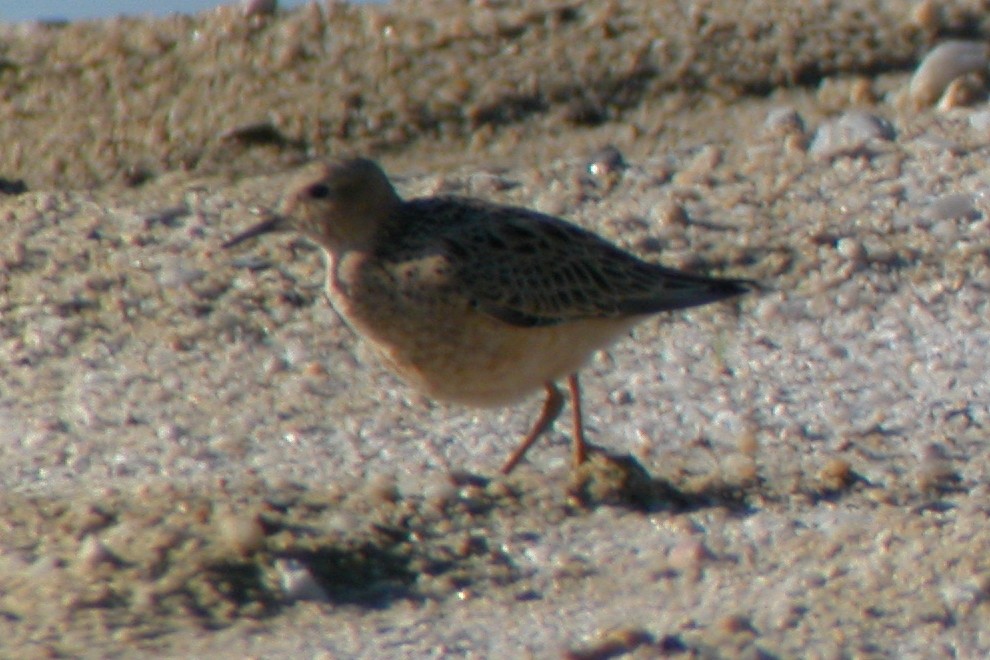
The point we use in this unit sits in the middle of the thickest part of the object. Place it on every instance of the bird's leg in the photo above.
(579, 446)
(551, 409)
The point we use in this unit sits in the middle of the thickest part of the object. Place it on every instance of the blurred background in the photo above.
(12, 11)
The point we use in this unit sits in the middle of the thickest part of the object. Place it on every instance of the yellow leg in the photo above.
(551, 409)
(579, 446)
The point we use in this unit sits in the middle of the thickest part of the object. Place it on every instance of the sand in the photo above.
(198, 458)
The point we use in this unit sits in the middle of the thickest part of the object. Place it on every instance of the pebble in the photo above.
(850, 248)
(850, 134)
(926, 15)
(953, 206)
(687, 554)
(980, 121)
(944, 64)
(258, 7)
(964, 91)
(782, 120)
(605, 161)
(298, 582)
(242, 534)
(935, 470)
(92, 553)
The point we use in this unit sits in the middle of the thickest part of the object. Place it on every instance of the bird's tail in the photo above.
(681, 290)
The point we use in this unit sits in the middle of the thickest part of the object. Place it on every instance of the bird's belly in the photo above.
(488, 363)
(464, 356)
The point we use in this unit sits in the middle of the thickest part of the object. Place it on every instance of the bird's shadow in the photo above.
(612, 479)
(394, 554)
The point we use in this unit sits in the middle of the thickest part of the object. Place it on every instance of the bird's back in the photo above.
(532, 269)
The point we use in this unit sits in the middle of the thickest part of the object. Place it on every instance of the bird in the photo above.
(474, 302)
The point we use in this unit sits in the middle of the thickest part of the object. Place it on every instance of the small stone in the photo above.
(783, 120)
(964, 91)
(688, 555)
(927, 15)
(606, 161)
(850, 248)
(92, 552)
(850, 134)
(298, 581)
(944, 64)
(837, 474)
(953, 206)
(935, 472)
(980, 121)
(861, 92)
(734, 624)
(251, 8)
(672, 214)
(241, 533)
(612, 644)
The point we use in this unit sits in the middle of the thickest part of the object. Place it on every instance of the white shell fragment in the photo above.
(850, 133)
(944, 64)
(298, 582)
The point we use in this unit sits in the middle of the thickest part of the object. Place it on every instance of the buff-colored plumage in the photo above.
(474, 302)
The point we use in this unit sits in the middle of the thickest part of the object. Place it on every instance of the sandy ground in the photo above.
(198, 458)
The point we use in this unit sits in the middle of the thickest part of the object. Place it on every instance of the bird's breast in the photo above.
(428, 332)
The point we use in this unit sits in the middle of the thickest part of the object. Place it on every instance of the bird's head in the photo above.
(341, 205)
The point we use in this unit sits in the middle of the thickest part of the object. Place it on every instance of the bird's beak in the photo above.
(273, 223)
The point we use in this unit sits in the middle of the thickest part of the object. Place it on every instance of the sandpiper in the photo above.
(474, 302)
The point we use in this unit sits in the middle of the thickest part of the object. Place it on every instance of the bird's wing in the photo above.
(530, 269)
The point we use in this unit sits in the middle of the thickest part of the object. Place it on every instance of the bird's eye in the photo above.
(318, 191)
